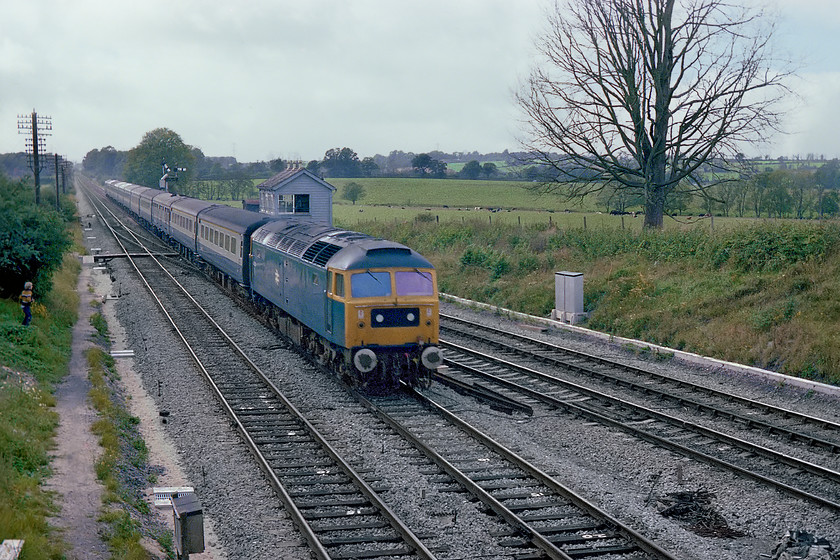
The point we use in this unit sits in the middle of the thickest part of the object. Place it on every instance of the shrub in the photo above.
(33, 240)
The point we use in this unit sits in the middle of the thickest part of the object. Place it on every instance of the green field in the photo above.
(445, 201)
(454, 193)
(349, 216)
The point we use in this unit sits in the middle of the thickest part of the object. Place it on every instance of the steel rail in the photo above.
(543, 543)
(651, 438)
(691, 387)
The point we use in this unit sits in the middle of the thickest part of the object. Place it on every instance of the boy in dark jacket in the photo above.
(26, 302)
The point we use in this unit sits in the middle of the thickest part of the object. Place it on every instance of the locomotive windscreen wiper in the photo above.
(374, 277)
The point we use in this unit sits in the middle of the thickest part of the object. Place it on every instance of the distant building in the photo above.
(297, 192)
(251, 204)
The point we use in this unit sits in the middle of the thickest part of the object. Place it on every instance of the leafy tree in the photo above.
(342, 162)
(314, 166)
(144, 162)
(826, 177)
(802, 193)
(425, 164)
(471, 170)
(642, 93)
(352, 191)
(33, 240)
(277, 165)
(759, 186)
(779, 201)
(829, 204)
(422, 163)
(489, 169)
(369, 167)
(238, 183)
(678, 201)
(438, 169)
(107, 162)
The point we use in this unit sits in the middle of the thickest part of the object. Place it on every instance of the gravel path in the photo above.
(73, 479)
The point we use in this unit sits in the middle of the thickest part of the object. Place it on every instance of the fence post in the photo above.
(584, 222)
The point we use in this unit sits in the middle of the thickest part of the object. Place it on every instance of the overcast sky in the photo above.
(293, 78)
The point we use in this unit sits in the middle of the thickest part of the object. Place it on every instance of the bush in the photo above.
(33, 240)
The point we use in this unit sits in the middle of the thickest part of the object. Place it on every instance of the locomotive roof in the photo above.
(338, 248)
(234, 218)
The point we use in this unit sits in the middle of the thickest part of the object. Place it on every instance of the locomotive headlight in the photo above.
(431, 357)
(410, 316)
(379, 318)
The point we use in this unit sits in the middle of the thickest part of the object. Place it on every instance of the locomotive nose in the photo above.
(431, 357)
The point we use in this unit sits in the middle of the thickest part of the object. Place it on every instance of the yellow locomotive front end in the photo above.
(391, 322)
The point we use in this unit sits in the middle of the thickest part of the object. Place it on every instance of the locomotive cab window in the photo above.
(414, 283)
(339, 285)
(370, 284)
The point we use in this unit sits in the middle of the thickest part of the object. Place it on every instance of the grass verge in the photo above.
(124, 457)
(33, 359)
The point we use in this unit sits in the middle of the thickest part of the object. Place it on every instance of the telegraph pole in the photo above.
(66, 166)
(57, 197)
(35, 144)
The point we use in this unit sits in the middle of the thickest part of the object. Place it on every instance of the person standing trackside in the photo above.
(26, 302)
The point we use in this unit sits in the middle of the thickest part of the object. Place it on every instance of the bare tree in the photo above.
(640, 94)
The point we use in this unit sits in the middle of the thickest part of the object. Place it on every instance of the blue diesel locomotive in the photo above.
(365, 307)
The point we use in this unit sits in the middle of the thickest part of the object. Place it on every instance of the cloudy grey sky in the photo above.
(292, 78)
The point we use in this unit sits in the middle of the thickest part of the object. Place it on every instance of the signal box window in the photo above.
(301, 204)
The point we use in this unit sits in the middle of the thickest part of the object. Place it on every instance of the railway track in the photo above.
(598, 389)
(337, 508)
(339, 514)
(541, 511)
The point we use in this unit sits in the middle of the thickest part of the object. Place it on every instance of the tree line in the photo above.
(143, 164)
(809, 191)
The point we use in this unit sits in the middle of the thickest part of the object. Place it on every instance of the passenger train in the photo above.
(365, 307)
